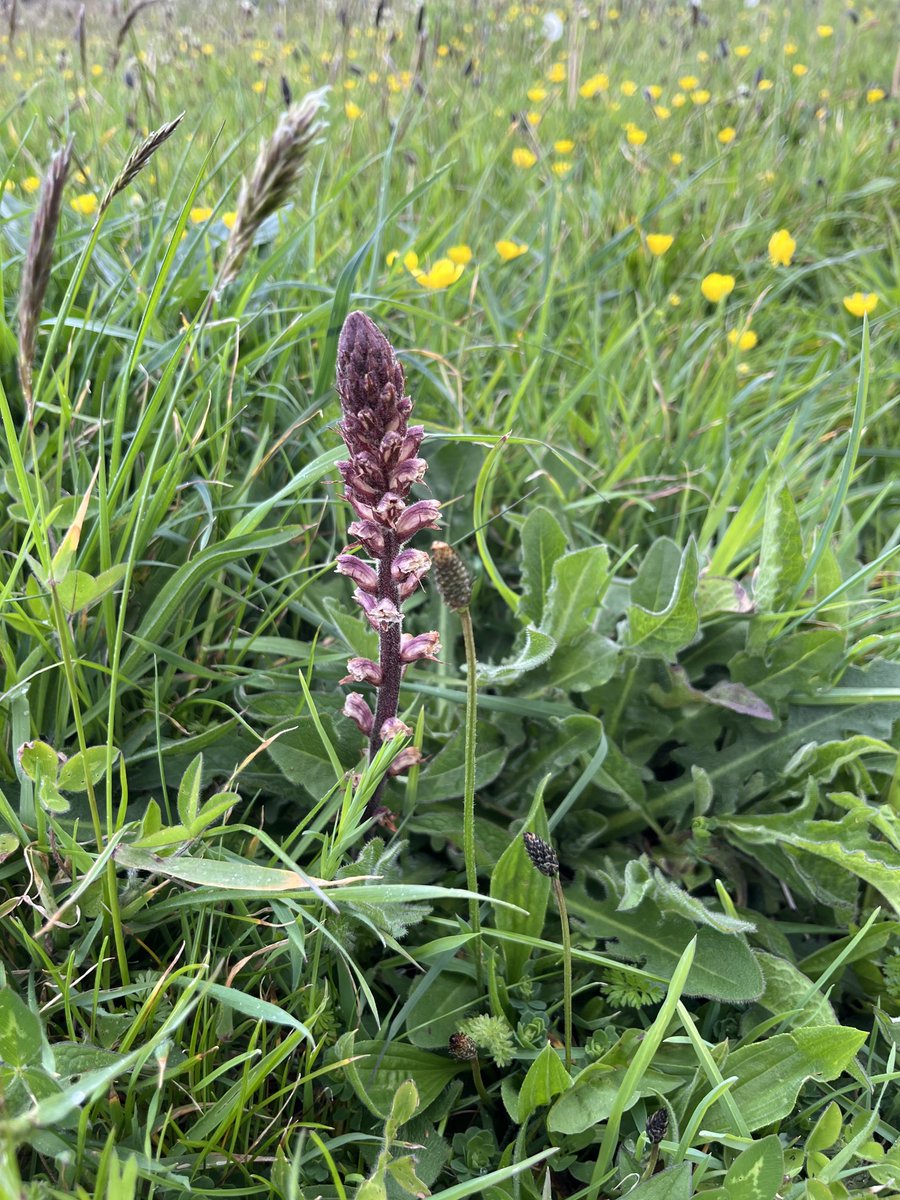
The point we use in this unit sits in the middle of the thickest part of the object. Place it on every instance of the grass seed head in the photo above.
(138, 159)
(451, 576)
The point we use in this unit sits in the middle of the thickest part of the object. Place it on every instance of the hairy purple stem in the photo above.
(388, 660)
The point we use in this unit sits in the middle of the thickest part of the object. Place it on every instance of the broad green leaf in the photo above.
(723, 968)
(51, 798)
(360, 639)
(442, 778)
(515, 879)
(826, 1130)
(592, 1096)
(534, 649)
(37, 759)
(231, 874)
(786, 988)
(545, 1079)
(577, 583)
(301, 756)
(641, 882)
(847, 843)
(771, 1073)
(781, 551)
(795, 663)
(403, 1172)
(189, 791)
(86, 765)
(672, 623)
(757, 1172)
(588, 662)
(672, 1184)
(383, 1067)
(21, 1033)
(79, 590)
(440, 1008)
(543, 542)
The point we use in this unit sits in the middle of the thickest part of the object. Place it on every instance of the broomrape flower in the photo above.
(781, 248)
(461, 254)
(744, 339)
(727, 135)
(659, 243)
(861, 304)
(716, 287)
(85, 204)
(509, 250)
(523, 158)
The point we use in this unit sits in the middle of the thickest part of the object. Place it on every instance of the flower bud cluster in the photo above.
(382, 467)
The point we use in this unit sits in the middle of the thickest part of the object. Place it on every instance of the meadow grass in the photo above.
(684, 545)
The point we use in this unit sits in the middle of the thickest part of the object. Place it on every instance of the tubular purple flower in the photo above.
(382, 467)
(356, 708)
(424, 514)
(362, 670)
(394, 727)
(423, 645)
(370, 535)
(410, 756)
(360, 572)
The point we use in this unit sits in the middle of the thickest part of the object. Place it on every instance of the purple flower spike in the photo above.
(383, 465)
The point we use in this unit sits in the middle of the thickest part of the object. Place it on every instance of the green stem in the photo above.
(469, 787)
(567, 967)
(479, 1082)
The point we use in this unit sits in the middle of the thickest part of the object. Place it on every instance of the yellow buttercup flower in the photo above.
(561, 167)
(744, 340)
(661, 112)
(200, 214)
(352, 111)
(259, 86)
(765, 85)
(790, 48)
(461, 254)
(593, 86)
(564, 146)
(228, 219)
(676, 159)
(689, 82)
(441, 275)
(781, 248)
(628, 87)
(207, 49)
(557, 73)
(30, 184)
(741, 51)
(534, 119)
(674, 299)
(799, 69)
(536, 94)
(824, 31)
(635, 136)
(659, 243)
(509, 250)
(716, 287)
(700, 96)
(96, 70)
(654, 91)
(411, 261)
(679, 100)
(524, 158)
(85, 204)
(873, 95)
(860, 304)
(727, 135)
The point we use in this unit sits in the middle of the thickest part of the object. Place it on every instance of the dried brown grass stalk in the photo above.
(126, 25)
(138, 159)
(81, 38)
(38, 259)
(272, 179)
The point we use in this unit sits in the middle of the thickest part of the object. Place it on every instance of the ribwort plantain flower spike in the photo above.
(382, 466)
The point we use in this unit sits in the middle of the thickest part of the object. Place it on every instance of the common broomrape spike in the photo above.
(382, 467)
